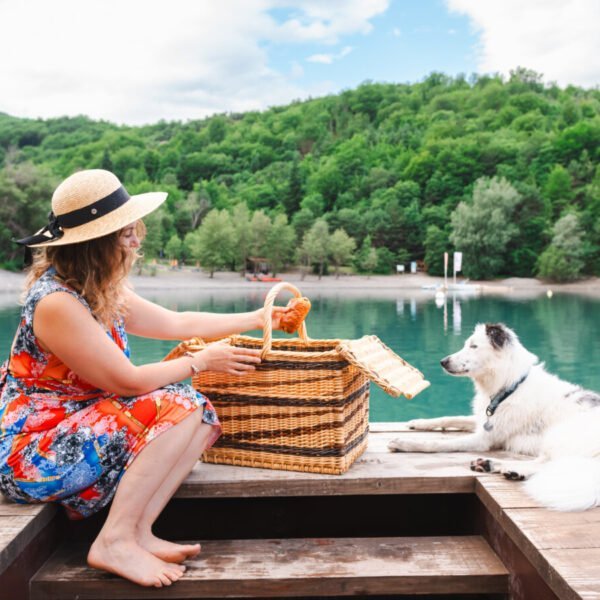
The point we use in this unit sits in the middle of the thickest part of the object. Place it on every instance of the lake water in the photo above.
(564, 331)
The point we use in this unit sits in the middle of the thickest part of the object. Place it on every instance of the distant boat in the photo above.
(462, 287)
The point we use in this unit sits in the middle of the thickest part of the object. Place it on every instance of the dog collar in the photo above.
(502, 395)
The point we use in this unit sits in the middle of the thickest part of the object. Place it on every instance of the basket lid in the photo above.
(383, 366)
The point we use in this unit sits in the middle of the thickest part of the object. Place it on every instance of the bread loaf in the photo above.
(292, 319)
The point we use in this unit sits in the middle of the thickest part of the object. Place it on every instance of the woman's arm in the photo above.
(147, 319)
(66, 328)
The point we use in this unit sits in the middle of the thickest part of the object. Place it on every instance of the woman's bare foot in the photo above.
(129, 560)
(169, 551)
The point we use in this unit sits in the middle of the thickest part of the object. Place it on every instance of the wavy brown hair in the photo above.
(95, 269)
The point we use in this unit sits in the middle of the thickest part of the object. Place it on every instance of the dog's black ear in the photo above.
(498, 335)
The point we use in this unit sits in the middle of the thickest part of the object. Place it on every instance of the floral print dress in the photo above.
(63, 440)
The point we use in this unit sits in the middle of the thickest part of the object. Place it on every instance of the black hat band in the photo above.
(78, 217)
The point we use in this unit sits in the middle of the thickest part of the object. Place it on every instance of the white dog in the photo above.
(521, 408)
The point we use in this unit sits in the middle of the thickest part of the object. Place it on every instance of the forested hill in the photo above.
(505, 170)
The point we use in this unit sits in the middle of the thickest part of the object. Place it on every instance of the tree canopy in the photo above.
(406, 165)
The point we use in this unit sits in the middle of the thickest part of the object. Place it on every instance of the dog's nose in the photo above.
(445, 361)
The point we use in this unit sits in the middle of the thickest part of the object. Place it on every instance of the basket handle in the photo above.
(268, 316)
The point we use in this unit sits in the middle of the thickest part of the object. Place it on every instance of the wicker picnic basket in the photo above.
(306, 406)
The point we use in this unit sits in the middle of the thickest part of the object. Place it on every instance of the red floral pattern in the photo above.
(61, 439)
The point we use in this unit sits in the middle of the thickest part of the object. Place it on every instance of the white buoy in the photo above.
(549, 293)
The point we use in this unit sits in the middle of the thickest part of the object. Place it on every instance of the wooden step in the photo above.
(285, 568)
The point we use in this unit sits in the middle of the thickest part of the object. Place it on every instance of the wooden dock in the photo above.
(396, 525)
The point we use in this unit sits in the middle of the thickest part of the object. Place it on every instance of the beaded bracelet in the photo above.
(195, 369)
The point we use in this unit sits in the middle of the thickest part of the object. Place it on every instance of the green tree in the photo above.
(152, 164)
(558, 190)
(242, 234)
(160, 227)
(217, 129)
(342, 249)
(106, 163)
(314, 203)
(294, 192)
(25, 191)
(302, 222)
(368, 258)
(532, 237)
(196, 205)
(483, 228)
(386, 261)
(316, 245)
(212, 243)
(436, 243)
(590, 223)
(281, 243)
(563, 259)
(174, 247)
(260, 226)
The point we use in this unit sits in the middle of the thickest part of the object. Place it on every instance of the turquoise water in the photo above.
(564, 331)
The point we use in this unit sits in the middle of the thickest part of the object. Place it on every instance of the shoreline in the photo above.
(189, 279)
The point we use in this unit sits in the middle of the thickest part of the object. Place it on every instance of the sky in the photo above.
(140, 61)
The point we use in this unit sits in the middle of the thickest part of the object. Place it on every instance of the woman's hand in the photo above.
(278, 311)
(223, 357)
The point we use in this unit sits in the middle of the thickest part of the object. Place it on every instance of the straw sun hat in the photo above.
(88, 205)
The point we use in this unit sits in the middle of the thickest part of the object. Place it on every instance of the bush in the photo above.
(563, 259)
(554, 264)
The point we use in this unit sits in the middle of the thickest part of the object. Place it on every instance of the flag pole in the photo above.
(445, 270)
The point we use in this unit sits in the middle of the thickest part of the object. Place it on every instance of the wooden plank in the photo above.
(497, 494)
(393, 427)
(543, 536)
(526, 582)
(297, 567)
(17, 531)
(8, 508)
(11, 527)
(580, 568)
(505, 493)
(377, 471)
(14, 580)
(556, 530)
(551, 540)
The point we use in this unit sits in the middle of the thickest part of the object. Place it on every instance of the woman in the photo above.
(80, 425)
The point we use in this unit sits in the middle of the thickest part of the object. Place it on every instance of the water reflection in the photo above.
(563, 331)
(456, 316)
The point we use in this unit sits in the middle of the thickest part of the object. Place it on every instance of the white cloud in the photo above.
(327, 59)
(138, 61)
(558, 38)
(297, 70)
(396, 32)
(327, 21)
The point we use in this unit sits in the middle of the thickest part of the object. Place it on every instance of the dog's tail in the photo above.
(568, 484)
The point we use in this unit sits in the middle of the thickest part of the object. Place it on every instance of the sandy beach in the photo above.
(189, 279)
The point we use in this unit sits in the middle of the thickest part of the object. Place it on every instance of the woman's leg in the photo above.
(116, 549)
(168, 550)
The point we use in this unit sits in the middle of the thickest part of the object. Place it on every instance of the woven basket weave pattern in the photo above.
(305, 408)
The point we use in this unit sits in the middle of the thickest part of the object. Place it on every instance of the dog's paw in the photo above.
(513, 475)
(397, 446)
(420, 425)
(404, 445)
(483, 465)
(400, 445)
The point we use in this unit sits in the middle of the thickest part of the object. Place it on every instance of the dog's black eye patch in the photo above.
(497, 335)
